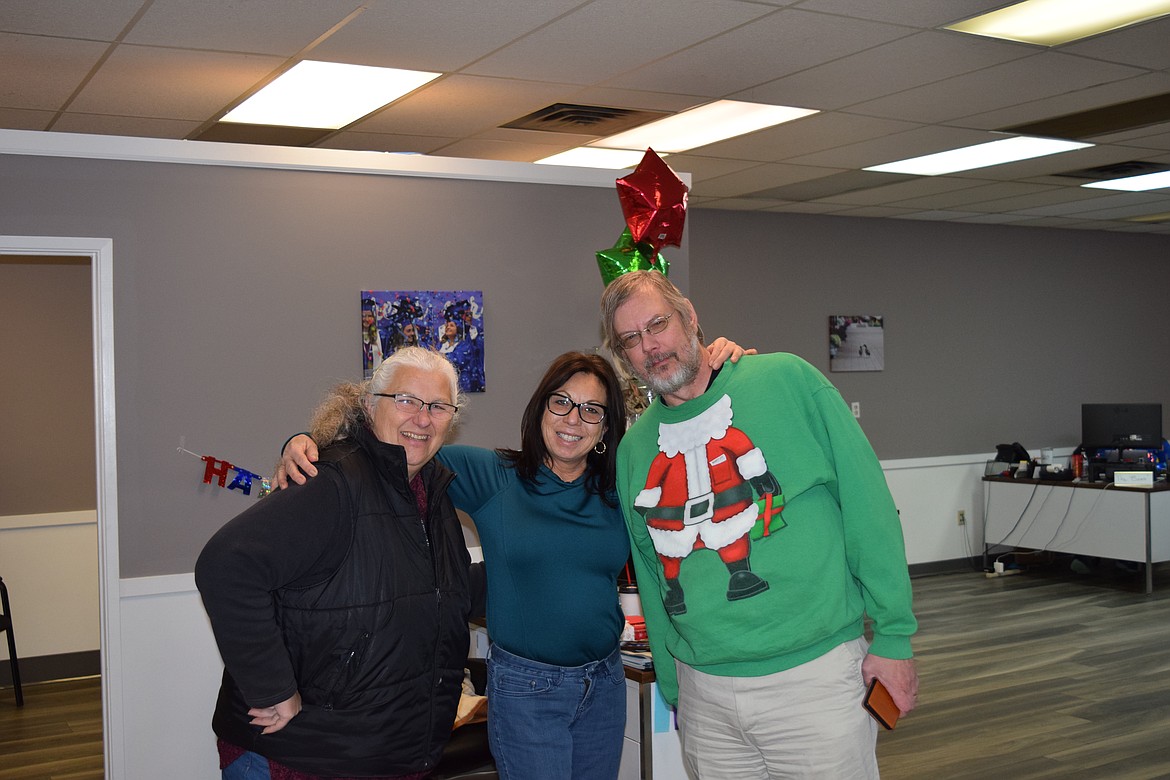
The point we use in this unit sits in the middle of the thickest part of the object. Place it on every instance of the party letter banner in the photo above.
(448, 321)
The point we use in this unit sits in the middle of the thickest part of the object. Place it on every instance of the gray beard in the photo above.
(685, 374)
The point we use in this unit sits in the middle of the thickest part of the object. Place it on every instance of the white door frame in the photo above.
(100, 253)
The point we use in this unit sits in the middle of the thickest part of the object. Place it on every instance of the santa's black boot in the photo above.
(674, 602)
(743, 582)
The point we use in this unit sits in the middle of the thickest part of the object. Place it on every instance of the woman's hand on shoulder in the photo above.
(721, 350)
(277, 716)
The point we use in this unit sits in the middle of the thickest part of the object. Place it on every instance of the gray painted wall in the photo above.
(993, 333)
(236, 305)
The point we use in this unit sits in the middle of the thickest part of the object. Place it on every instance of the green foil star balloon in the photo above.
(629, 255)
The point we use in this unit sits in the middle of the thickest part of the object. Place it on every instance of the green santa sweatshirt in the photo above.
(762, 527)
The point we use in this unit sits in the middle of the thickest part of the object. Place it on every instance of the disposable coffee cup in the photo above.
(630, 602)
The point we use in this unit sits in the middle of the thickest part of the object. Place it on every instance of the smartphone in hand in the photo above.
(880, 704)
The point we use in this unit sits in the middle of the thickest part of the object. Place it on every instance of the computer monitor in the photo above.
(1121, 426)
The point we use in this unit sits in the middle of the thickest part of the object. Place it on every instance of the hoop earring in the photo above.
(599, 448)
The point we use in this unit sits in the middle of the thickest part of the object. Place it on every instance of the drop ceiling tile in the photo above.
(1151, 137)
(1057, 222)
(928, 192)
(874, 211)
(485, 149)
(171, 83)
(591, 45)
(702, 168)
(746, 204)
(25, 119)
(1044, 198)
(810, 208)
(385, 142)
(633, 98)
(777, 45)
(918, 13)
(1127, 212)
(513, 135)
(804, 136)
(761, 177)
(1050, 167)
(1143, 45)
(42, 73)
(1036, 77)
(899, 146)
(1095, 200)
(278, 27)
(999, 197)
(936, 216)
(884, 70)
(1101, 96)
(463, 105)
(99, 20)
(443, 36)
(993, 219)
(142, 127)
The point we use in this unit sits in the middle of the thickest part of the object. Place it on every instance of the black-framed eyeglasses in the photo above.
(560, 405)
(654, 327)
(408, 404)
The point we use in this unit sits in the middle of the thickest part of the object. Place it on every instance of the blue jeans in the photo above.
(547, 721)
(250, 766)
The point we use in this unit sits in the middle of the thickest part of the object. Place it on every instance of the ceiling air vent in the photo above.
(1119, 170)
(583, 120)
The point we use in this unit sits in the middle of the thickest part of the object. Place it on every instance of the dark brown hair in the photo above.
(600, 468)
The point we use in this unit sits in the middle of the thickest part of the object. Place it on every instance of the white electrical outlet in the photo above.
(856, 407)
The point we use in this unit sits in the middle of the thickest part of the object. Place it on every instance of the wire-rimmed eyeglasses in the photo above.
(634, 337)
(560, 405)
(409, 404)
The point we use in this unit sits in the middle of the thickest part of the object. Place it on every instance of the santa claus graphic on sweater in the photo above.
(700, 494)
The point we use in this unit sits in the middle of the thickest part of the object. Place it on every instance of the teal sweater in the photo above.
(552, 550)
(833, 554)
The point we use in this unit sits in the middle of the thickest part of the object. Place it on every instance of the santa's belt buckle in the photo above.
(699, 509)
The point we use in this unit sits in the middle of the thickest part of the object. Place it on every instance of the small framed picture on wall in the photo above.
(857, 342)
(450, 321)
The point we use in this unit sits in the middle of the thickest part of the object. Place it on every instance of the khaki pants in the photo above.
(805, 722)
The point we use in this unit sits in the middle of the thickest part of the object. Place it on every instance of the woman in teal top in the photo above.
(554, 541)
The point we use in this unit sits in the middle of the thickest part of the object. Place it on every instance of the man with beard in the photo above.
(755, 600)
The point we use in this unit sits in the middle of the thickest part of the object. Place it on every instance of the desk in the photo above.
(1095, 519)
(652, 750)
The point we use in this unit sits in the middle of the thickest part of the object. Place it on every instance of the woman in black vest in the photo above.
(340, 607)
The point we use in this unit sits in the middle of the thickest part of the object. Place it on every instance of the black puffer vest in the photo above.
(379, 648)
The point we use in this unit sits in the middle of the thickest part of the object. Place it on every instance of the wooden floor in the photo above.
(1046, 675)
(56, 735)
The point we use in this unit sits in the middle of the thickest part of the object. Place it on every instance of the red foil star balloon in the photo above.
(654, 202)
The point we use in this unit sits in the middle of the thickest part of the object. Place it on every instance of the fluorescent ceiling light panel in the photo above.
(1053, 22)
(1148, 181)
(587, 157)
(979, 156)
(703, 125)
(326, 94)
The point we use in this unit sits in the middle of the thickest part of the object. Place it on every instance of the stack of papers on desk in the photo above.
(636, 655)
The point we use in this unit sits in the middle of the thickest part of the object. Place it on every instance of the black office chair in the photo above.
(6, 626)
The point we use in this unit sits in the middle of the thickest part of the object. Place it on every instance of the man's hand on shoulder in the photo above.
(296, 462)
